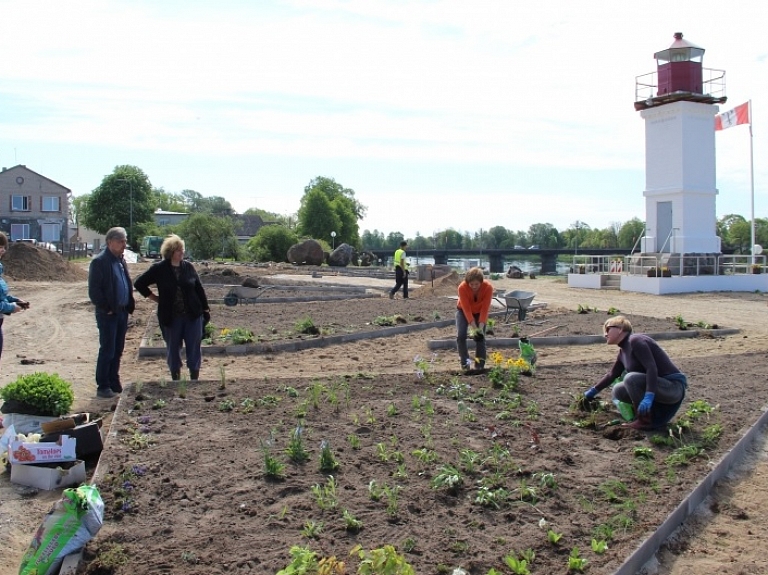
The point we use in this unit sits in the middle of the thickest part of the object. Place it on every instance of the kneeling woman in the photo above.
(652, 383)
(182, 305)
(475, 295)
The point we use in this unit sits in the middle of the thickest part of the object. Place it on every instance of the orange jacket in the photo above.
(471, 304)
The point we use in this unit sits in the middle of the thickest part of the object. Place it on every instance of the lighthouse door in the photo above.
(664, 243)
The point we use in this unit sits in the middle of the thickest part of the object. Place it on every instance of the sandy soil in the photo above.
(59, 330)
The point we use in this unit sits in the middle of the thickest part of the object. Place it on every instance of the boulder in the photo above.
(250, 282)
(515, 272)
(342, 256)
(308, 252)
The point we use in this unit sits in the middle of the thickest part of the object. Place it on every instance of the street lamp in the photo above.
(130, 187)
(333, 239)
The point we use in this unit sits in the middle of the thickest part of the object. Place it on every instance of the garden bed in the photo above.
(187, 490)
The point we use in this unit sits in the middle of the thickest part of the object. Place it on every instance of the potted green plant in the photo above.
(757, 269)
(44, 394)
(651, 272)
(666, 272)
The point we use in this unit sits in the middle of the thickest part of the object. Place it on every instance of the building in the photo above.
(165, 218)
(33, 206)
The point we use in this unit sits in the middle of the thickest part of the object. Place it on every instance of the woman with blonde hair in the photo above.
(475, 295)
(652, 383)
(182, 306)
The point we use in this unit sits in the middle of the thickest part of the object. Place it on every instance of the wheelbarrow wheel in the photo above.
(230, 300)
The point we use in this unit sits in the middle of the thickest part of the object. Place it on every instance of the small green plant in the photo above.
(325, 495)
(711, 434)
(189, 558)
(613, 311)
(354, 441)
(296, 450)
(351, 523)
(392, 495)
(425, 455)
(575, 561)
(381, 561)
(392, 410)
(226, 405)
(312, 530)
(643, 452)
(45, 393)
(468, 460)
(183, 388)
(488, 497)
(110, 557)
(680, 322)
(159, 404)
(600, 546)
(304, 561)
(684, 455)
(553, 537)
(247, 405)
(518, 566)
(139, 440)
(448, 477)
(327, 459)
(273, 467)
(409, 544)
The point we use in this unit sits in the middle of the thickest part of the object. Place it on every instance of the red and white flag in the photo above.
(739, 115)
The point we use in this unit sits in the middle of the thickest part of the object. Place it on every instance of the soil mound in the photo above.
(439, 287)
(27, 262)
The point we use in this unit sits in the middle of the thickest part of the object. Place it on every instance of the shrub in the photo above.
(45, 393)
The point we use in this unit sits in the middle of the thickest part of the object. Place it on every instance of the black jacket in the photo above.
(101, 283)
(161, 274)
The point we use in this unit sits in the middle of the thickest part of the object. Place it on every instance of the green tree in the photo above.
(574, 236)
(373, 240)
(347, 212)
(271, 243)
(77, 207)
(496, 237)
(207, 236)
(124, 198)
(544, 236)
(317, 216)
(630, 232)
(724, 225)
(168, 201)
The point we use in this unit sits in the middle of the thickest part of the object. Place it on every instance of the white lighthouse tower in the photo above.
(680, 190)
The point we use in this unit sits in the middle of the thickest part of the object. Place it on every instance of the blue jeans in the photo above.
(669, 396)
(462, 327)
(112, 330)
(188, 332)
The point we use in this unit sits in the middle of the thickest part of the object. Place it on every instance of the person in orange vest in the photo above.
(475, 295)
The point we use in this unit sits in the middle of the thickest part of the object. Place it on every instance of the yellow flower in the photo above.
(497, 358)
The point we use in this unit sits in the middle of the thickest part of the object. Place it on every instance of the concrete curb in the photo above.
(256, 301)
(583, 339)
(648, 548)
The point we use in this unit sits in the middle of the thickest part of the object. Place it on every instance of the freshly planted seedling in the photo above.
(354, 441)
(644, 452)
(488, 497)
(599, 547)
(576, 562)
(226, 405)
(382, 561)
(306, 326)
(327, 459)
(351, 523)
(553, 537)
(518, 566)
(296, 450)
(325, 495)
(447, 477)
(312, 530)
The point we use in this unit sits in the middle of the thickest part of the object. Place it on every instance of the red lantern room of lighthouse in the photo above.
(680, 76)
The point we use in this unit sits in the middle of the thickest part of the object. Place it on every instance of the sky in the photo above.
(437, 113)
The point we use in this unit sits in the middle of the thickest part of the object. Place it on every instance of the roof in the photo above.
(25, 169)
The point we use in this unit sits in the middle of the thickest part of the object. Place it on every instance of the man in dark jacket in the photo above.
(111, 291)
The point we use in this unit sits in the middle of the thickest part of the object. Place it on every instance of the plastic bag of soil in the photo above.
(69, 525)
(527, 352)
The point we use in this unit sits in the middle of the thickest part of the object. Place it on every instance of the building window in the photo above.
(50, 203)
(51, 232)
(20, 203)
(19, 232)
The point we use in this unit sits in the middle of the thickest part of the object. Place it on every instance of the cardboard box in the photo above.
(88, 436)
(49, 476)
(64, 423)
(62, 450)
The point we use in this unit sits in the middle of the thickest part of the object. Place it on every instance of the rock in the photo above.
(342, 256)
(250, 282)
(308, 252)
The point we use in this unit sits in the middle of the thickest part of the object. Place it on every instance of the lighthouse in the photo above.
(678, 103)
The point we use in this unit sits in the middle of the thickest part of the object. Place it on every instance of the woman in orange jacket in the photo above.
(475, 295)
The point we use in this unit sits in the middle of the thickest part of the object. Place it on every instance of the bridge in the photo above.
(547, 256)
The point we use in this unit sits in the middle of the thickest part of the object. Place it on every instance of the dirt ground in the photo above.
(58, 334)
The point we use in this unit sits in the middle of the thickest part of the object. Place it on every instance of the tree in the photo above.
(271, 243)
(317, 217)
(544, 236)
(497, 236)
(207, 236)
(630, 232)
(574, 236)
(373, 240)
(124, 198)
(77, 209)
(169, 202)
(347, 212)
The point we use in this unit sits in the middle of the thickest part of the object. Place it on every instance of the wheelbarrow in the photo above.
(518, 301)
(243, 295)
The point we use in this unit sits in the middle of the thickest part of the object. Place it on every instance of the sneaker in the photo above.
(105, 393)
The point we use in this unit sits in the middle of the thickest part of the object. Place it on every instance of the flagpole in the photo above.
(752, 182)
